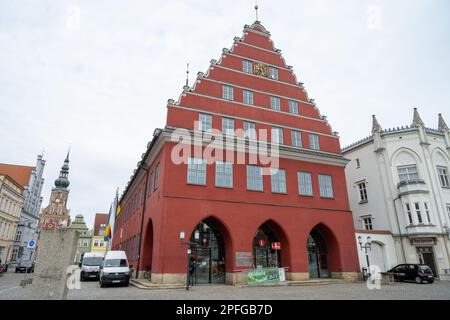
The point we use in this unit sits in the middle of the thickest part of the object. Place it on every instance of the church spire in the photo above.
(63, 182)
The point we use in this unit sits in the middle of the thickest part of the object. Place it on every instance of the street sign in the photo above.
(31, 244)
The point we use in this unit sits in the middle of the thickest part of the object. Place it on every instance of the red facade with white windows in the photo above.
(233, 218)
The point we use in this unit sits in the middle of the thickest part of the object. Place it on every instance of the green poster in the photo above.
(258, 276)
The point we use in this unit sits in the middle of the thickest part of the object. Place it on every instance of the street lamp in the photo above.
(367, 248)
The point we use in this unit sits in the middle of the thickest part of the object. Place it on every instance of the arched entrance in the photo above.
(318, 258)
(268, 243)
(207, 244)
(147, 248)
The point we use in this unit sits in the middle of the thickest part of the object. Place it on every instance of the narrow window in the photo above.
(443, 177)
(296, 137)
(304, 183)
(368, 224)
(325, 186)
(408, 212)
(196, 171)
(227, 92)
(314, 141)
(278, 180)
(362, 192)
(248, 97)
(205, 122)
(254, 178)
(419, 214)
(247, 66)
(277, 135)
(275, 103)
(293, 107)
(224, 174)
(250, 130)
(156, 183)
(273, 73)
(227, 126)
(427, 212)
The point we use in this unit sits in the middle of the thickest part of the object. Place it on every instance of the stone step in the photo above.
(146, 285)
(318, 282)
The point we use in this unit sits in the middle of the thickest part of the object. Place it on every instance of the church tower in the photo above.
(56, 213)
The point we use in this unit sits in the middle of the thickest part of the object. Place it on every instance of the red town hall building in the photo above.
(233, 215)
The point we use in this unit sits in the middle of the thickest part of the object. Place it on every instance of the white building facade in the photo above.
(29, 216)
(399, 190)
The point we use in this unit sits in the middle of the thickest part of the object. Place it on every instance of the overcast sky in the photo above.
(97, 74)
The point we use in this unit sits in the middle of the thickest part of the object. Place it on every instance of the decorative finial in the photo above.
(375, 124)
(442, 126)
(417, 121)
(256, 10)
(187, 74)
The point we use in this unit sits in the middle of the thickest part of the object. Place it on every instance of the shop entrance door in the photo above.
(426, 256)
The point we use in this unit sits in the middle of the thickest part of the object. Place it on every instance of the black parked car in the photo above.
(25, 268)
(413, 272)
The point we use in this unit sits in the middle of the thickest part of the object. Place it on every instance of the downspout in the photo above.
(142, 220)
(399, 229)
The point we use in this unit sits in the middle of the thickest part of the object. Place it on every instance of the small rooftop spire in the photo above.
(442, 126)
(186, 86)
(256, 10)
(417, 121)
(375, 124)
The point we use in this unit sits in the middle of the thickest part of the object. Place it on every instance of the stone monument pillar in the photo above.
(57, 249)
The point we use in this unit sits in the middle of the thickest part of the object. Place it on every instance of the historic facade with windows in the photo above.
(397, 182)
(240, 212)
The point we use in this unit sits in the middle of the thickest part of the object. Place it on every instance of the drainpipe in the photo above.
(142, 220)
(399, 229)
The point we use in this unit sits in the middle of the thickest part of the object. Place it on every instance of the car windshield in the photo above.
(425, 268)
(92, 261)
(116, 263)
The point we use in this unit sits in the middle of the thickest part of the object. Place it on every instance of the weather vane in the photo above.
(187, 75)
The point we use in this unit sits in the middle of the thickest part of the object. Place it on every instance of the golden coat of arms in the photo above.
(261, 69)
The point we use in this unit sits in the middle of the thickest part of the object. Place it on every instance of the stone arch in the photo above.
(440, 157)
(211, 250)
(404, 156)
(147, 246)
(270, 231)
(323, 252)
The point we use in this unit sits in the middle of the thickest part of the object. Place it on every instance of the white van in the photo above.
(115, 269)
(90, 265)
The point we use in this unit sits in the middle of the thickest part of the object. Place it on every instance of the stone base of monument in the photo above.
(56, 252)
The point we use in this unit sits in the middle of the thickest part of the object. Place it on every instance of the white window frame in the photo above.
(224, 174)
(228, 126)
(277, 135)
(247, 97)
(326, 186)
(250, 129)
(314, 143)
(227, 92)
(275, 103)
(362, 191)
(196, 171)
(368, 223)
(296, 138)
(408, 173)
(409, 213)
(293, 107)
(205, 122)
(304, 180)
(426, 206)
(278, 180)
(443, 176)
(247, 66)
(418, 212)
(255, 180)
(273, 73)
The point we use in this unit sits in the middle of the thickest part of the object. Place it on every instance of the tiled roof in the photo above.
(20, 174)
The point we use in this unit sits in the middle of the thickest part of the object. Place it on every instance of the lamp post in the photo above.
(182, 242)
(367, 247)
